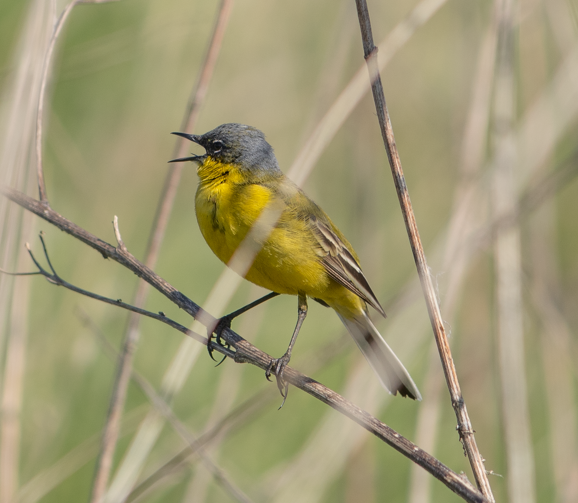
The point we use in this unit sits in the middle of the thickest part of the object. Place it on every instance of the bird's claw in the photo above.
(277, 367)
(222, 324)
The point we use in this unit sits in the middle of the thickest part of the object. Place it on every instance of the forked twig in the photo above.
(464, 427)
(53, 277)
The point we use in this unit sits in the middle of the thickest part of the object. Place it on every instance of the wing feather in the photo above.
(341, 265)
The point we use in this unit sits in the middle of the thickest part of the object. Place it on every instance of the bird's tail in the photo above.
(391, 372)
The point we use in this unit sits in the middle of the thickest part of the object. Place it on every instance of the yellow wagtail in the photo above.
(304, 254)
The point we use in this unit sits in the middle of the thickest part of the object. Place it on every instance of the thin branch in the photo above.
(247, 353)
(465, 428)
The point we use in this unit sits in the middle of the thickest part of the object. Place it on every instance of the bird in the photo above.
(304, 254)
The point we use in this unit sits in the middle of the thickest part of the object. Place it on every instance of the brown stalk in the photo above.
(111, 429)
(247, 353)
(464, 427)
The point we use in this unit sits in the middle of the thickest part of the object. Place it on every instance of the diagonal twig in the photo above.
(465, 429)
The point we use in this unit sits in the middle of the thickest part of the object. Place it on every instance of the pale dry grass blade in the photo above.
(507, 251)
(17, 123)
(557, 349)
(556, 337)
(14, 373)
(238, 417)
(548, 118)
(142, 444)
(18, 114)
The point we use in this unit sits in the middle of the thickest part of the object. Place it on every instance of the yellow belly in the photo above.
(288, 261)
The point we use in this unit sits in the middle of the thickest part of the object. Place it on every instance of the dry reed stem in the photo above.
(247, 353)
(47, 66)
(464, 425)
(18, 116)
(507, 250)
(162, 216)
(14, 372)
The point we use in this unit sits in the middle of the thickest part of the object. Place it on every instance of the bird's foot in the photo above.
(277, 367)
(222, 324)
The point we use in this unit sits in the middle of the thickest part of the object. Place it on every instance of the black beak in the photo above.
(194, 138)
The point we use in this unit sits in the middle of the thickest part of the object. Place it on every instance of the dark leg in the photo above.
(225, 321)
(278, 364)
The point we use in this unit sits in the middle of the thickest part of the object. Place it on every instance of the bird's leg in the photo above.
(279, 364)
(225, 321)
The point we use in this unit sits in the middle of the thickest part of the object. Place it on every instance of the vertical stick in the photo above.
(464, 425)
(111, 431)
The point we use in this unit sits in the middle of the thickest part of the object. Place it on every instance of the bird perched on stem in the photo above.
(303, 253)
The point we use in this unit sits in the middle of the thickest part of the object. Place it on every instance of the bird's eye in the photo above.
(217, 146)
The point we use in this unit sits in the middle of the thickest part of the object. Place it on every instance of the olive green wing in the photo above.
(340, 263)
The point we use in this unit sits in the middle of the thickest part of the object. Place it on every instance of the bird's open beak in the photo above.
(194, 138)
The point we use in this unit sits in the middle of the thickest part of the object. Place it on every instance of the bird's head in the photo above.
(237, 144)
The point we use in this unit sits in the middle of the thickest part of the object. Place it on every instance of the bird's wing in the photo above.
(341, 265)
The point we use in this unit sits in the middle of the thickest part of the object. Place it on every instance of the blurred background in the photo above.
(485, 122)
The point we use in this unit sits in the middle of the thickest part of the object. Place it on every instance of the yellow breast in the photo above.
(227, 207)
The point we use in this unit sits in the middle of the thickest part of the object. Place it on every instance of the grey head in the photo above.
(238, 144)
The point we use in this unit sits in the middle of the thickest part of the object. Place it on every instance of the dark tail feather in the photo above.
(391, 372)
